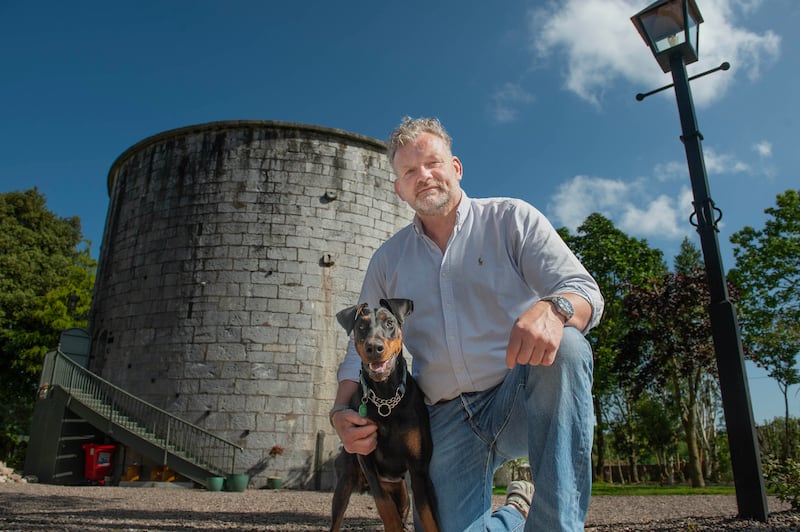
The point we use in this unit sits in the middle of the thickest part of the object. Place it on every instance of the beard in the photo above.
(435, 202)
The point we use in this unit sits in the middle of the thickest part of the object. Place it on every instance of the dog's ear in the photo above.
(401, 308)
(347, 317)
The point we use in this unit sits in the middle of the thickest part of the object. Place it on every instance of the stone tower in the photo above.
(228, 249)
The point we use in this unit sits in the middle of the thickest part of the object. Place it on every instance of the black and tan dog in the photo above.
(390, 398)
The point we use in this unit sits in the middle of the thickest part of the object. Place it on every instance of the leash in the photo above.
(385, 406)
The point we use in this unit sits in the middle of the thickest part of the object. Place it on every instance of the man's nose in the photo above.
(424, 172)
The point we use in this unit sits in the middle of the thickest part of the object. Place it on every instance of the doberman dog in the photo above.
(389, 397)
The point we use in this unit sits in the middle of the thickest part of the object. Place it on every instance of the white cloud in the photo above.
(600, 44)
(721, 41)
(716, 163)
(763, 148)
(626, 204)
(582, 195)
(671, 171)
(659, 218)
(506, 102)
(597, 38)
(722, 163)
(748, 6)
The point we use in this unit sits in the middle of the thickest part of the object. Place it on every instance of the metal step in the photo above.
(81, 437)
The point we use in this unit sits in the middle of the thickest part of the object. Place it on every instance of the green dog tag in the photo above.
(362, 410)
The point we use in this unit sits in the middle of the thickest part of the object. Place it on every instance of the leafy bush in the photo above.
(783, 478)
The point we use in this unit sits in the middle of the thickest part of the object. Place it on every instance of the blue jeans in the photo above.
(544, 413)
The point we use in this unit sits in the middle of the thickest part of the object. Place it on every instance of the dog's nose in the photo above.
(374, 348)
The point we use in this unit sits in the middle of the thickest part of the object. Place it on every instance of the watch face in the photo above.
(563, 306)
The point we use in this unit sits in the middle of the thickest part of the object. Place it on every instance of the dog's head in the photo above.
(377, 334)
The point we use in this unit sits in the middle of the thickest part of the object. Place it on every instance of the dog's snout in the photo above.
(374, 347)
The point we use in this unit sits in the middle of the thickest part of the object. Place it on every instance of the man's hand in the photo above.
(535, 336)
(359, 435)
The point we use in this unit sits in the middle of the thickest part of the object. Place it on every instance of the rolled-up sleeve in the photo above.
(549, 266)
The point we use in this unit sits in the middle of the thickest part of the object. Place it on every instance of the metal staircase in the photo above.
(154, 433)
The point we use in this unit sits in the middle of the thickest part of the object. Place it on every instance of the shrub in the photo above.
(783, 477)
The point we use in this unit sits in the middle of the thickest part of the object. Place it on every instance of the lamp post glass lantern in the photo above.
(671, 29)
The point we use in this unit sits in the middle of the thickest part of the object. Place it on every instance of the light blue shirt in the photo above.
(502, 257)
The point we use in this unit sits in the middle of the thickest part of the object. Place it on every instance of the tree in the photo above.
(771, 438)
(617, 262)
(669, 346)
(689, 258)
(689, 262)
(767, 273)
(43, 261)
(659, 421)
(644, 426)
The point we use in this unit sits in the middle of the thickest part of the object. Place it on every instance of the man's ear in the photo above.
(458, 167)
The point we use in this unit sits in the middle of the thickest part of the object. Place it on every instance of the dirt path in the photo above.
(40, 507)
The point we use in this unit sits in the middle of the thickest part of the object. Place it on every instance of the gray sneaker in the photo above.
(519, 495)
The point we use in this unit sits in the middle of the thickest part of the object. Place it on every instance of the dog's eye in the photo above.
(390, 323)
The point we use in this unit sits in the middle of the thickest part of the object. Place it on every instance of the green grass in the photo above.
(601, 488)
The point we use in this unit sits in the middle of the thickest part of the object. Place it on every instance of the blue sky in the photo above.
(538, 95)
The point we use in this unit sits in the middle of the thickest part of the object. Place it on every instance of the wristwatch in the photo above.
(562, 306)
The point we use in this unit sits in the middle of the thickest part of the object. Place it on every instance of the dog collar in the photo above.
(384, 406)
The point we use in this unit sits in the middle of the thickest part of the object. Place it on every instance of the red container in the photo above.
(99, 458)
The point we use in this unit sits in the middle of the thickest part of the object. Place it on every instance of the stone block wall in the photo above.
(228, 249)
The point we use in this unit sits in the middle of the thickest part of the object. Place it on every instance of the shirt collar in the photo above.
(463, 209)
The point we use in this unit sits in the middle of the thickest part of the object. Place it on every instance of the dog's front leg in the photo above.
(347, 472)
(424, 499)
(396, 489)
(385, 501)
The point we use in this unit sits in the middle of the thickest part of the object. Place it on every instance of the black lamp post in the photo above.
(671, 30)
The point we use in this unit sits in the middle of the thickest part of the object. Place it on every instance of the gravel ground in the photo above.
(41, 507)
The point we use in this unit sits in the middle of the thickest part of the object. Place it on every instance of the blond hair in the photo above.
(411, 128)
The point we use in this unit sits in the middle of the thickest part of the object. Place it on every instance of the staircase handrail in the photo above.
(168, 431)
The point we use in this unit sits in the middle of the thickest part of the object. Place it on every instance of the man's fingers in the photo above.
(512, 350)
(533, 343)
(358, 434)
(361, 440)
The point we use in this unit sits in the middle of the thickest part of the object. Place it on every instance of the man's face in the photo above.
(427, 175)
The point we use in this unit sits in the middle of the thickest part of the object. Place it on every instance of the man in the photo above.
(500, 308)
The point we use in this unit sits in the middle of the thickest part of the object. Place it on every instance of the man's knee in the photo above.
(575, 350)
